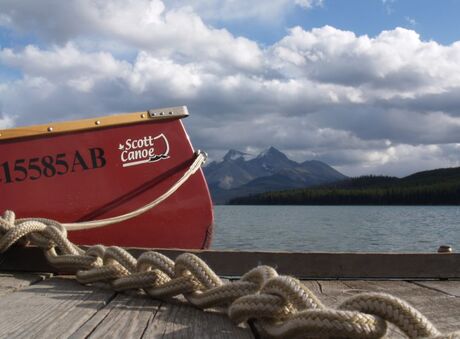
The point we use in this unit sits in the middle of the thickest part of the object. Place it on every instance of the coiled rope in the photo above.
(281, 305)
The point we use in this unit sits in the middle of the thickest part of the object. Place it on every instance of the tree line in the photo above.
(437, 187)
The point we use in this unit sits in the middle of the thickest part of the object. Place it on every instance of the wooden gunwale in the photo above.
(94, 123)
(301, 265)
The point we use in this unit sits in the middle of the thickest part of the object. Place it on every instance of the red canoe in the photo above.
(102, 168)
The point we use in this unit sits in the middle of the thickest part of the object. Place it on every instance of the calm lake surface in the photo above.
(337, 228)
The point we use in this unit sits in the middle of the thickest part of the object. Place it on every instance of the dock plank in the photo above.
(451, 287)
(185, 321)
(56, 307)
(61, 307)
(314, 265)
(126, 316)
(131, 316)
(330, 292)
(333, 292)
(13, 281)
(440, 308)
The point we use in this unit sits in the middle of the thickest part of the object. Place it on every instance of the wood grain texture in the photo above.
(11, 282)
(451, 288)
(185, 321)
(301, 265)
(442, 309)
(330, 292)
(142, 317)
(56, 307)
(126, 316)
(333, 292)
(61, 307)
(306, 265)
(93, 123)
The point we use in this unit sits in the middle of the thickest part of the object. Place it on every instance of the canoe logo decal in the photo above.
(144, 150)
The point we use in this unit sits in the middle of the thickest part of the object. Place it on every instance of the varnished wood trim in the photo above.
(300, 265)
(94, 123)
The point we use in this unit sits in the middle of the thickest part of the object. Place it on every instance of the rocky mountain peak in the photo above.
(272, 153)
(233, 154)
(241, 174)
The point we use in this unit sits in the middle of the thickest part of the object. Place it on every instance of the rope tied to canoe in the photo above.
(281, 306)
(200, 159)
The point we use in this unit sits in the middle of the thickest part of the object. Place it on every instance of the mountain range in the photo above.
(240, 174)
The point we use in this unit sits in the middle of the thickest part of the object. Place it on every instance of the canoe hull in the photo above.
(96, 174)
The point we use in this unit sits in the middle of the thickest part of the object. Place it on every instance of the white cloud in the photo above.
(411, 21)
(393, 61)
(228, 10)
(388, 6)
(357, 102)
(309, 3)
(404, 160)
(62, 63)
(244, 10)
(177, 33)
(6, 122)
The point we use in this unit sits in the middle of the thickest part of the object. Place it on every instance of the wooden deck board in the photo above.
(313, 265)
(442, 309)
(13, 281)
(185, 321)
(330, 292)
(56, 307)
(61, 307)
(451, 288)
(333, 292)
(126, 316)
(38, 305)
(438, 301)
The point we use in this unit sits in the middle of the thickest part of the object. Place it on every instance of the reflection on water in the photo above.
(337, 228)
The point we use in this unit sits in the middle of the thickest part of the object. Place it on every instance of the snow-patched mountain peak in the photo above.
(240, 174)
(272, 153)
(233, 155)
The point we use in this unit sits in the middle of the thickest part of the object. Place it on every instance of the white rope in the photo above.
(281, 306)
(84, 225)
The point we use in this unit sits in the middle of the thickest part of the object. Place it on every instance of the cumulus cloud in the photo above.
(393, 61)
(411, 21)
(403, 160)
(365, 104)
(177, 33)
(6, 122)
(309, 3)
(230, 10)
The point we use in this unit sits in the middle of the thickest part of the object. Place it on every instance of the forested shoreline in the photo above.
(436, 187)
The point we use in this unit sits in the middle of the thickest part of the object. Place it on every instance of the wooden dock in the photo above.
(46, 305)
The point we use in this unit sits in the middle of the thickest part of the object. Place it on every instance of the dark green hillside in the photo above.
(435, 187)
(366, 181)
(437, 175)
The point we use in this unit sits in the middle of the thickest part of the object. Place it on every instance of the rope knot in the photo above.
(283, 306)
(14, 230)
(188, 264)
(7, 221)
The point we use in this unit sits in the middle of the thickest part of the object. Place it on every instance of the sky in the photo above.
(367, 86)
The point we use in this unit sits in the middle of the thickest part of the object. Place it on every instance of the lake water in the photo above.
(337, 228)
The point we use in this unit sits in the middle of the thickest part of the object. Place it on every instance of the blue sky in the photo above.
(368, 86)
(433, 20)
